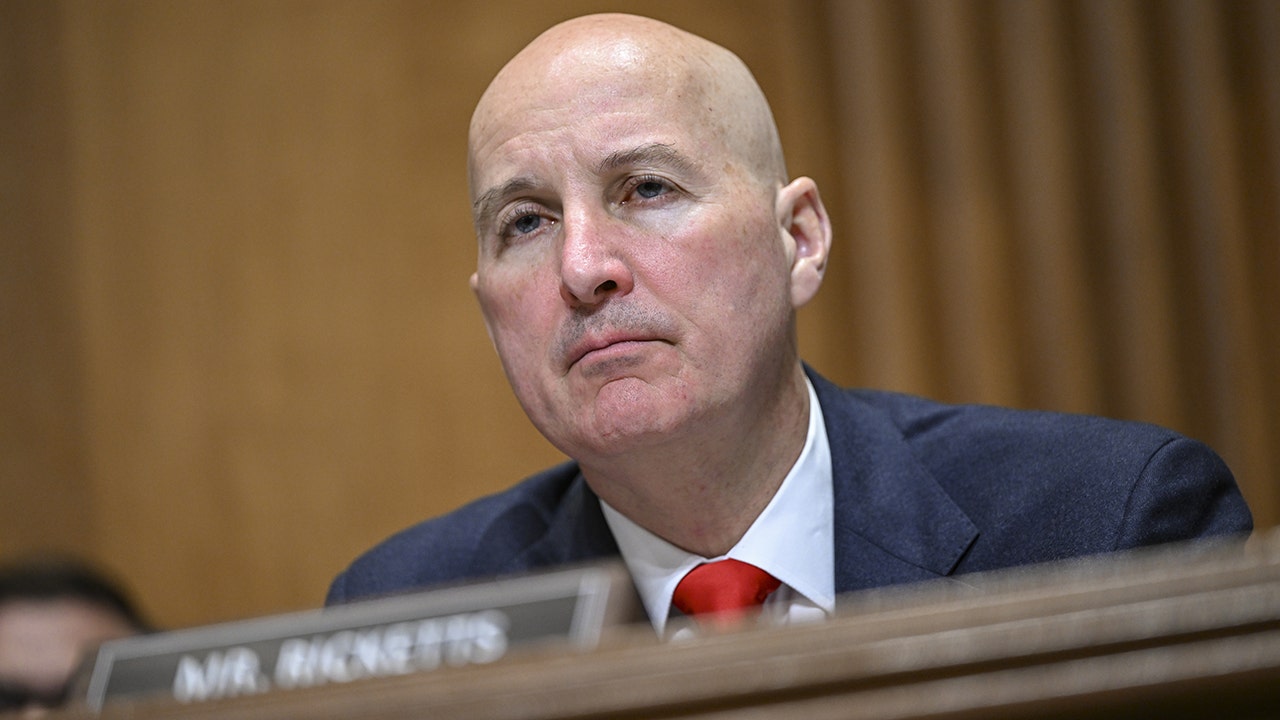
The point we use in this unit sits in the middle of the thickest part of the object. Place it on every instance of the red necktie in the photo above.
(724, 590)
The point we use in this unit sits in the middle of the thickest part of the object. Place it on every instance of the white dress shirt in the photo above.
(793, 539)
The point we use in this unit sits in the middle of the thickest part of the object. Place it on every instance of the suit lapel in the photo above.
(576, 532)
(893, 522)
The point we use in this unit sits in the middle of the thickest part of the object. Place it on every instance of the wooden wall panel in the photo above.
(239, 347)
(966, 223)
(1060, 359)
(42, 454)
(889, 287)
(1206, 126)
(262, 238)
(1070, 205)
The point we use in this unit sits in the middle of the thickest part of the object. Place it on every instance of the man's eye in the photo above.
(646, 187)
(526, 224)
(650, 189)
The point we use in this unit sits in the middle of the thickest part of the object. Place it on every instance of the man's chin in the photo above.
(628, 421)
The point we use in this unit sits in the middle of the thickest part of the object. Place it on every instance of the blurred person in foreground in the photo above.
(642, 256)
(53, 613)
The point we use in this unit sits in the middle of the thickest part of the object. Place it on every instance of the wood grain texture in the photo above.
(238, 343)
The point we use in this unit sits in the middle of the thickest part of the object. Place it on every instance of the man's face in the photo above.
(632, 271)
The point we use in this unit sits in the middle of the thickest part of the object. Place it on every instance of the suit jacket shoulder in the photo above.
(926, 489)
(549, 519)
(922, 490)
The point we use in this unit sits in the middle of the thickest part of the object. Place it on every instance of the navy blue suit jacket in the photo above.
(922, 490)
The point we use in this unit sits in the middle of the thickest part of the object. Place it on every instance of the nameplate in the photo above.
(452, 627)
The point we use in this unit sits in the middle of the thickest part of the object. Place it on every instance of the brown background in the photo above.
(236, 341)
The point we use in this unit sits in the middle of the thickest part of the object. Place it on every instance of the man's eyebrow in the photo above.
(486, 206)
(652, 154)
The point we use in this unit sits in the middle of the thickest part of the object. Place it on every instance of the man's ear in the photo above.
(475, 289)
(804, 220)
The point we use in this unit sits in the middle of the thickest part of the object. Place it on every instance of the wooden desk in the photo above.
(1179, 632)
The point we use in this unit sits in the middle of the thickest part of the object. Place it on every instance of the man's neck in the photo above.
(702, 490)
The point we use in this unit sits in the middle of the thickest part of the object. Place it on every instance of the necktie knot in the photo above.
(726, 589)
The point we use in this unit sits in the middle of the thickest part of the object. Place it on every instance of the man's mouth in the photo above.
(606, 347)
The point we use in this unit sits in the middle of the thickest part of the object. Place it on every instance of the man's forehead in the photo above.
(588, 79)
(609, 40)
(588, 118)
(618, 53)
(588, 63)
(653, 82)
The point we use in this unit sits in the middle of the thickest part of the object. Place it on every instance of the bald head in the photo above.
(589, 61)
(641, 258)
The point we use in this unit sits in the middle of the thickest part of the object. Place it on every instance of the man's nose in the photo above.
(592, 266)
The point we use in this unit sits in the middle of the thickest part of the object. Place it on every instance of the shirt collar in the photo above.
(793, 538)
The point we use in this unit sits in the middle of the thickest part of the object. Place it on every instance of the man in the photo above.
(642, 255)
(52, 613)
